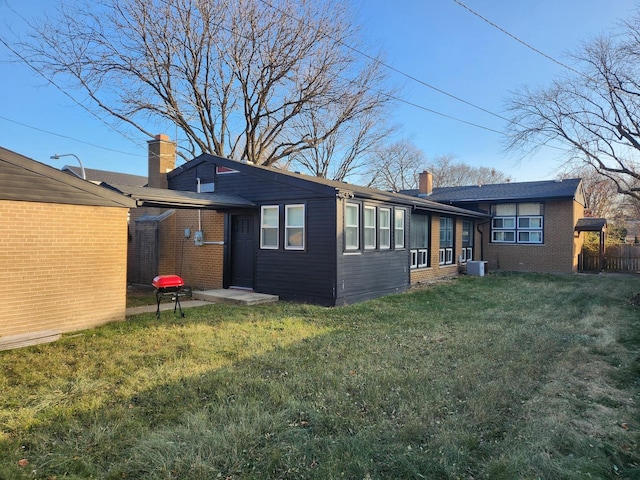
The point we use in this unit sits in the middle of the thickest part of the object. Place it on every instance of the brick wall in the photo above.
(63, 266)
(201, 267)
(558, 253)
(436, 271)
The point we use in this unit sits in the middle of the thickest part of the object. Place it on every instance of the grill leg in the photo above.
(177, 304)
(158, 298)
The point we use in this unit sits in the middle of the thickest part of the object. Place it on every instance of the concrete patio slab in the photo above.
(234, 296)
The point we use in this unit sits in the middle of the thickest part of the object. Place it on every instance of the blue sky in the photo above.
(436, 41)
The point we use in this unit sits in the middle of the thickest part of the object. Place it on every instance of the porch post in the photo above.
(601, 251)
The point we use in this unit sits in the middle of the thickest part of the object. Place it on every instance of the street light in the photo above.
(57, 157)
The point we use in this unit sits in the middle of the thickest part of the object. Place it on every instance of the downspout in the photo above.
(481, 238)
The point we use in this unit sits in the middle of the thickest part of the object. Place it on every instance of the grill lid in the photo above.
(168, 281)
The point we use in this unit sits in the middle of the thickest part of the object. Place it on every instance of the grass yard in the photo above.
(509, 376)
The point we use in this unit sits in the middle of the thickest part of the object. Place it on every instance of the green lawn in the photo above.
(509, 376)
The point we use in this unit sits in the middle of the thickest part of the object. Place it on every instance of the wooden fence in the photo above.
(617, 258)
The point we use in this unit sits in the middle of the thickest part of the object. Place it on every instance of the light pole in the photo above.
(57, 157)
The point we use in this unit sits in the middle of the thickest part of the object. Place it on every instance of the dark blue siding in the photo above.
(371, 274)
(307, 275)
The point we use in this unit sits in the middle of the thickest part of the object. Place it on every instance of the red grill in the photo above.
(168, 285)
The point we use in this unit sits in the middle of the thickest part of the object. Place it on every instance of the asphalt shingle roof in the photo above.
(545, 189)
(112, 178)
(146, 196)
(312, 182)
(24, 179)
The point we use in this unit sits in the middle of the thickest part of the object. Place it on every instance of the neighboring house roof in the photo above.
(516, 191)
(24, 179)
(112, 178)
(322, 185)
(589, 224)
(160, 197)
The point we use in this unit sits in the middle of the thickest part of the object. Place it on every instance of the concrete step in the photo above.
(233, 296)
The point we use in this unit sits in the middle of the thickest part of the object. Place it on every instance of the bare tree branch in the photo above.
(238, 78)
(595, 115)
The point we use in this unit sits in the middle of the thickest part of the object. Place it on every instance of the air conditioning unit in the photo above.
(475, 268)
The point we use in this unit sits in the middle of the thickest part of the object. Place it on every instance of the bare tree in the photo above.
(344, 152)
(601, 193)
(592, 112)
(395, 166)
(238, 78)
(449, 173)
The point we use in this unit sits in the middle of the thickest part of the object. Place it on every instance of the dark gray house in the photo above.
(314, 240)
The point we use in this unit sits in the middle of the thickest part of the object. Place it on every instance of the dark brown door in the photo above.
(146, 253)
(242, 251)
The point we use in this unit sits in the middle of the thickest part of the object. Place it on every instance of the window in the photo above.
(269, 226)
(517, 223)
(446, 241)
(385, 228)
(419, 241)
(399, 228)
(351, 226)
(294, 227)
(369, 228)
(467, 241)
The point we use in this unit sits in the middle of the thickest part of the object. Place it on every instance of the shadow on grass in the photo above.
(410, 386)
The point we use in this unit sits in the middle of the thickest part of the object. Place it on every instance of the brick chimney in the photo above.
(162, 159)
(425, 184)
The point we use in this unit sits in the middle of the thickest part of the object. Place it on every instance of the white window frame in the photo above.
(423, 257)
(497, 236)
(518, 227)
(355, 227)
(419, 257)
(399, 228)
(288, 227)
(275, 227)
(530, 234)
(502, 221)
(368, 228)
(414, 259)
(446, 256)
(537, 218)
(385, 229)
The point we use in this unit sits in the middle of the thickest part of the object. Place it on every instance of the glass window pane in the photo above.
(269, 226)
(269, 215)
(351, 237)
(295, 237)
(504, 209)
(399, 229)
(269, 237)
(419, 231)
(351, 214)
(369, 217)
(295, 215)
(529, 209)
(385, 228)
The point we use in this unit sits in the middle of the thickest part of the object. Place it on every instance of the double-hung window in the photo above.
(352, 226)
(294, 227)
(269, 227)
(419, 243)
(446, 241)
(369, 228)
(517, 223)
(385, 228)
(399, 228)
